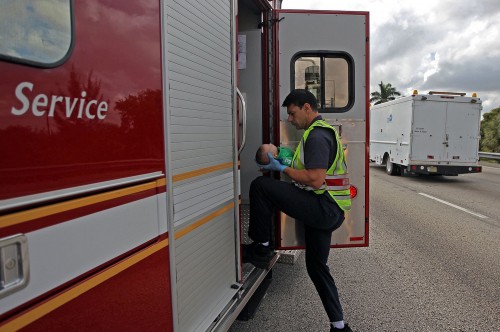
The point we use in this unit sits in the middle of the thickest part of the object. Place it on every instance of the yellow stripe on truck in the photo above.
(201, 171)
(23, 216)
(202, 221)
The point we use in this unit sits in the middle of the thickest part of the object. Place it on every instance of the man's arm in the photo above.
(317, 157)
(311, 177)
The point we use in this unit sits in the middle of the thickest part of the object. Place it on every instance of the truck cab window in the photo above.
(329, 76)
(35, 32)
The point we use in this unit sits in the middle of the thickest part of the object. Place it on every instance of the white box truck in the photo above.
(433, 134)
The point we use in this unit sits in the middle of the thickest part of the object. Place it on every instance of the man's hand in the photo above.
(274, 165)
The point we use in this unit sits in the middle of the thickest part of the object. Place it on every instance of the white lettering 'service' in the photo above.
(79, 107)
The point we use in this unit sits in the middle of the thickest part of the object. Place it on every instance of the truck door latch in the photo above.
(14, 264)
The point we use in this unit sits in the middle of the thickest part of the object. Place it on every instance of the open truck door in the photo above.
(327, 53)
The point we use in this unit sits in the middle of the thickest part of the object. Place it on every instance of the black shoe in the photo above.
(345, 329)
(246, 249)
(257, 254)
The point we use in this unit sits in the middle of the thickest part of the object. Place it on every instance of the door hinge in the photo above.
(270, 22)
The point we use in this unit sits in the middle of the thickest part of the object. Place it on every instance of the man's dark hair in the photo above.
(299, 97)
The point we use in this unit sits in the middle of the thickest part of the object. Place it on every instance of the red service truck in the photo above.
(128, 131)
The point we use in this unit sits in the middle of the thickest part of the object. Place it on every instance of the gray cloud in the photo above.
(457, 50)
(459, 11)
(467, 75)
(397, 39)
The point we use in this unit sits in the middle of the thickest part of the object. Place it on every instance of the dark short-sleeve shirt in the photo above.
(320, 148)
(319, 152)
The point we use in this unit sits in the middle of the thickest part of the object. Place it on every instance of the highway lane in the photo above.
(478, 192)
(430, 266)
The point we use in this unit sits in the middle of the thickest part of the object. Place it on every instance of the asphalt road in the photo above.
(433, 263)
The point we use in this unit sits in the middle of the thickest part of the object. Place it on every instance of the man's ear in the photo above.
(307, 107)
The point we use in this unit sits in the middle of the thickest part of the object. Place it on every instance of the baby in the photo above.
(282, 154)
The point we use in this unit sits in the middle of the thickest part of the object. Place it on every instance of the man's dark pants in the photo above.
(320, 219)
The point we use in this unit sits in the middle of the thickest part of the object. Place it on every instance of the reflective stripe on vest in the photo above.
(336, 180)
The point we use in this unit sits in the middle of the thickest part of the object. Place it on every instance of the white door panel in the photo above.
(340, 35)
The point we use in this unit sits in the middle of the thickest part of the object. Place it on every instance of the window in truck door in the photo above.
(328, 75)
(37, 33)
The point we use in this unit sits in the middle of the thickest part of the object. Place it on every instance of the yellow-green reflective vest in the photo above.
(336, 181)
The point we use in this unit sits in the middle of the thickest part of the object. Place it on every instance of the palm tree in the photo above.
(387, 92)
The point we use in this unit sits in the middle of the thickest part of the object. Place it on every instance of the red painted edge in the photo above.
(265, 77)
(367, 158)
(276, 111)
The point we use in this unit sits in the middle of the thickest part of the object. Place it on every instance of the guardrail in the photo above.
(489, 155)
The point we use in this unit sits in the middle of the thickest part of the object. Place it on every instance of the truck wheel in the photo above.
(391, 168)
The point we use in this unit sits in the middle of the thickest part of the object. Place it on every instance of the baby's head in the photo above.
(261, 155)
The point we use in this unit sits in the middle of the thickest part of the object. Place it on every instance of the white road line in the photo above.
(491, 167)
(455, 206)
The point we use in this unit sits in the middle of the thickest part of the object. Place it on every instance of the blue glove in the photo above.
(274, 165)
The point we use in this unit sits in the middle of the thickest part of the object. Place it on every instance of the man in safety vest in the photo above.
(318, 197)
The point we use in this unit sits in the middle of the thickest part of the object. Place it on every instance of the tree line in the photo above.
(490, 125)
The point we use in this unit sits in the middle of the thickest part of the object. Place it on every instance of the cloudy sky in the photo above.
(39, 31)
(440, 45)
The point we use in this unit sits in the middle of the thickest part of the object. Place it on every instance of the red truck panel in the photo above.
(97, 117)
